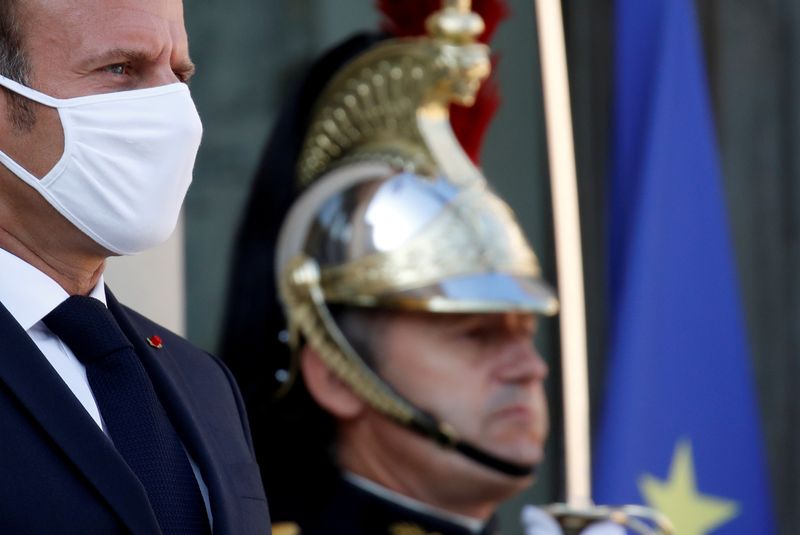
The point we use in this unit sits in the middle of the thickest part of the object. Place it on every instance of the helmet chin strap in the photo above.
(444, 435)
(494, 462)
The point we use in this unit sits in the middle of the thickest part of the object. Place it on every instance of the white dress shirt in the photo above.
(29, 295)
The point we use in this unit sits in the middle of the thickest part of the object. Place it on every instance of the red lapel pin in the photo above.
(155, 341)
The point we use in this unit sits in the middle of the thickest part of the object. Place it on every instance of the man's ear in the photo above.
(327, 389)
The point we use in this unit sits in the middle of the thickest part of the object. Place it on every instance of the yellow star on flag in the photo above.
(691, 512)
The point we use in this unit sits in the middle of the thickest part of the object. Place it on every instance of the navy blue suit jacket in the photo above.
(59, 473)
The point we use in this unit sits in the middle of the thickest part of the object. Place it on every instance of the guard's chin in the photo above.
(516, 445)
(522, 453)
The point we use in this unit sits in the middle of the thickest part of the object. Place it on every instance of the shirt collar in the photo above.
(28, 294)
(473, 525)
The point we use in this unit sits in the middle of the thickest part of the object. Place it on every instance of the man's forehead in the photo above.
(172, 9)
(92, 17)
(67, 33)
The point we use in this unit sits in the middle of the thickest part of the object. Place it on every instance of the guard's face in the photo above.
(480, 373)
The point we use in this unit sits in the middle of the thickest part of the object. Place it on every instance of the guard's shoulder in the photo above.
(285, 528)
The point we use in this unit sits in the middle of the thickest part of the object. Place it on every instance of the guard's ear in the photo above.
(327, 389)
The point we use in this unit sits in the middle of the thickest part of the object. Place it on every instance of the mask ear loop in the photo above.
(59, 103)
(29, 93)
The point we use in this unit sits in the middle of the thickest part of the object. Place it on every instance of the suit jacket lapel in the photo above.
(31, 378)
(166, 375)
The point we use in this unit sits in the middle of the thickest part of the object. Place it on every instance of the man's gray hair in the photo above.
(364, 328)
(14, 64)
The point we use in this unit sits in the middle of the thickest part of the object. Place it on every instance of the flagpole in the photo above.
(564, 190)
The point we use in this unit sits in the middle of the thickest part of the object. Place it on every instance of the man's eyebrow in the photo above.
(185, 69)
(115, 54)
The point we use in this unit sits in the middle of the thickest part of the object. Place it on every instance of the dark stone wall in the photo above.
(244, 51)
(753, 53)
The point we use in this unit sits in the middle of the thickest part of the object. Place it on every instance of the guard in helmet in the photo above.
(391, 377)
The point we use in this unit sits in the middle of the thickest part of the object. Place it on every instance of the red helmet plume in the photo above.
(406, 18)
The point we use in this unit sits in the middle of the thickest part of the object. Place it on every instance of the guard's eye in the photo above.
(480, 333)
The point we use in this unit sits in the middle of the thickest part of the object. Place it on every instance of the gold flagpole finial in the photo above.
(456, 22)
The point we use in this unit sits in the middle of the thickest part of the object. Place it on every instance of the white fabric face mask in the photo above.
(127, 163)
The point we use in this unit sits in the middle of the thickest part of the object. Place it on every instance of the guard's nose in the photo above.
(520, 361)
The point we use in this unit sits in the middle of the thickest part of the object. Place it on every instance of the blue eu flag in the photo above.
(680, 429)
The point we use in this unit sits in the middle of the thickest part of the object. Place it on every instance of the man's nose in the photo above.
(160, 72)
(521, 362)
(162, 75)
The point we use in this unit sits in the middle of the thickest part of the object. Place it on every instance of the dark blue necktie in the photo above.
(135, 420)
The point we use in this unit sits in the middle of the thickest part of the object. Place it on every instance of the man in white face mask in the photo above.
(113, 424)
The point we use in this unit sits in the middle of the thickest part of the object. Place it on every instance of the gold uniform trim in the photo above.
(406, 528)
(285, 528)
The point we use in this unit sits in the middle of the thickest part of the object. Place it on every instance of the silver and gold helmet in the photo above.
(395, 215)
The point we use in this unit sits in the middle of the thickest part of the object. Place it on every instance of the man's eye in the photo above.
(118, 69)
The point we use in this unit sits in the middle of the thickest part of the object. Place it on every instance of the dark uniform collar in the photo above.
(361, 507)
